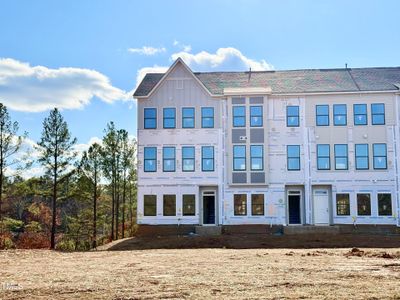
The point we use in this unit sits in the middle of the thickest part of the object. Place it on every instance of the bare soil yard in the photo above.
(202, 274)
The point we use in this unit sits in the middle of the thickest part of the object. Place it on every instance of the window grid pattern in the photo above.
(323, 157)
(207, 117)
(292, 116)
(169, 117)
(150, 118)
(239, 116)
(188, 117)
(257, 157)
(207, 158)
(293, 157)
(339, 114)
(322, 115)
(362, 156)
(169, 159)
(341, 157)
(188, 159)
(378, 114)
(256, 116)
(360, 114)
(239, 158)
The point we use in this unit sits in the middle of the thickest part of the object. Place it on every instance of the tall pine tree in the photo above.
(56, 155)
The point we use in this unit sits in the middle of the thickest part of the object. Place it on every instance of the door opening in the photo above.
(294, 207)
(208, 208)
(321, 207)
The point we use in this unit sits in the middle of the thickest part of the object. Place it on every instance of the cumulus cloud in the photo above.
(147, 50)
(38, 88)
(143, 71)
(79, 148)
(225, 59)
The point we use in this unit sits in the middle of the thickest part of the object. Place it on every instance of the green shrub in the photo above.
(33, 226)
(6, 241)
(13, 225)
(65, 245)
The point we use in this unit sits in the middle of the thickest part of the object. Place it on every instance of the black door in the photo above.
(208, 209)
(294, 209)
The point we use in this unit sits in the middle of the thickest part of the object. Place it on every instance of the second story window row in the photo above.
(169, 159)
(379, 151)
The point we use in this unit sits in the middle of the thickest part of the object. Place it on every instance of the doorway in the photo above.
(294, 207)
(321, 207)
(208, 208)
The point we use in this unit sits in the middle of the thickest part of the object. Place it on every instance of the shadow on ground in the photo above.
(255, 241)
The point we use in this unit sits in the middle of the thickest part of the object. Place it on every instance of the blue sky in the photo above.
(90, 42)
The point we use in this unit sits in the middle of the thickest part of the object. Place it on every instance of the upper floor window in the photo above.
(187, 117)
(323, 157)
(293, 157)
(150, 159)
(364, 204)
(169, 205)
(150, 118)
(256, 158)
(256, 116)
(169, 159)
(322, 115)
(149, 205)
(378, 113)
(362, 157)
(360, 114)
(292, 116)
(207, 158)
(341, 159)
(188, 159)
(339, 114)
(239, 158)
(380, 156)
(169, 114)
(240, 204)
(384, 204)
(343, 204)
(207, 117)
(239, 116)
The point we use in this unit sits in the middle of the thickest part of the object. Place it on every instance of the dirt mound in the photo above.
(380, 254)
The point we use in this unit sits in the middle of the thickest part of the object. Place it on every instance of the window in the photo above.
(339, 114)
(207, 117)
(256, 157)
(292, 116)
(239, 158)
(323, 157)
(207, 158)
(360, 114)
(380, 159)
(364, 204)
(150, 118)
(187, 117)
(169, 117)
(188, 205)
(188, 159)
(169, 207)
(256, 116)
(150, 159)
(240, 204)
(239, 116)
(343, 204)
(293, 157)
(378, 113)
(322, 112)
(362, 159)
(169, 159)
(385, 204)
(341, 159)
(149, 205)
(257, 204)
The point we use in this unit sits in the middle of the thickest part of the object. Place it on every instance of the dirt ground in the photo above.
(201, 274)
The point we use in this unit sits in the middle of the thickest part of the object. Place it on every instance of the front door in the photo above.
(294, 208)
(208, 209)
(321, 207)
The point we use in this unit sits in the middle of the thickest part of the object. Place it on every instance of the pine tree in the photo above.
(91, 166)
(10, 143)
(56, 155)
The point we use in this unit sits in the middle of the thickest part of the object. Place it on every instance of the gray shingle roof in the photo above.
(293, 81)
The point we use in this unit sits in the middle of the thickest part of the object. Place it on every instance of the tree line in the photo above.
(82, 200)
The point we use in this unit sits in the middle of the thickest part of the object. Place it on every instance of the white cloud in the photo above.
(146, 50)
(225, 59)
(185, 48)
(143, 71)
(38, 88)
(84, 147)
